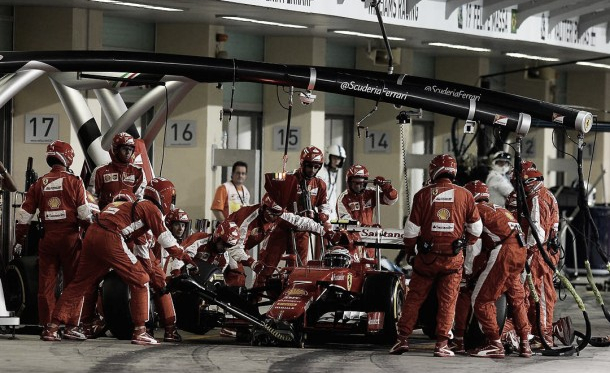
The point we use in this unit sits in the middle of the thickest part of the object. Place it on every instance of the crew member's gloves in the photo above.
(17, 250)
(410, 259)
(323, 217)
(192, 269)
(327, 226)
(382, 183)
(333, 236)
(257, 266)
(147, 264)
(186, 258)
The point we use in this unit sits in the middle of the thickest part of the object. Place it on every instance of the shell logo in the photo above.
(54, 202)
(443, 214)
(509, 215)
(297, 292)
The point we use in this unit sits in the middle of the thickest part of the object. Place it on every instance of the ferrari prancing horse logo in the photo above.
(349, 281)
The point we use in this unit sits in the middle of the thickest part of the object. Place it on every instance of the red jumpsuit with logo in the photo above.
(505, 263)
(361, 207)
(60, 197)
(105, 246)
(148, 252)
(254, 230)
(442, 213)
(281, 238)
(107, 180)
(544, 213)
(200, 244)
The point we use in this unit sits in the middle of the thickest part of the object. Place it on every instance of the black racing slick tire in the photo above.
(21, 289)
(115, 301)
(384, 292)
(474, 336)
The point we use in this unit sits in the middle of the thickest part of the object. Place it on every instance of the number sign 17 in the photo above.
(41, 128)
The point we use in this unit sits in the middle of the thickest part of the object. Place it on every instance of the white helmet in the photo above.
(338, 151)
(500, 162)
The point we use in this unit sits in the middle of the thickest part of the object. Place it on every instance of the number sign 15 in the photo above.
(280, 138)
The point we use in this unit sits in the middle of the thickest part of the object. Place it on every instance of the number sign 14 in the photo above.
(377, 142)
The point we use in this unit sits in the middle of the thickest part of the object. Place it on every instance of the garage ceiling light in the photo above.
(364, 35)
(269, 23)
(593, 64)
(530, 57)
(138, 5)
(457, 46)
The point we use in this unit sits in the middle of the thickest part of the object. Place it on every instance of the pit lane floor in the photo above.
(214, 353)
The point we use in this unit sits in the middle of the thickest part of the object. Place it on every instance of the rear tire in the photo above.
(21, 289)
(474, 336)
(115, 301)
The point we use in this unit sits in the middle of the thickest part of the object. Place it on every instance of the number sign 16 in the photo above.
(181, 133)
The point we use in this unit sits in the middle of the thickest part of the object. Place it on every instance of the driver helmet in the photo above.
(501, 162)
(337, 151)
(337, 257)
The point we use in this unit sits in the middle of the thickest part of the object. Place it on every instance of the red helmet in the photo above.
(532, 180)
(228, 232)
(270, 204)
(121, 139)
(312, 154)
(124, 195)
(62, 151)
(162, 192)
(443, 164)
(528, 165)
(525, 166)
(479, 190)
(357, 170)
(177, 215)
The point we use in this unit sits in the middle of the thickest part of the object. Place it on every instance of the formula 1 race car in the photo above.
(336, 295)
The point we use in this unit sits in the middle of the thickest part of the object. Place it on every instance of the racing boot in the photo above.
(442, 350)
(141, 337)
(457, 346)
(171, 334)
(563, 330)
(524, 349)
(494, 349)
(50, 333)
(94, 329)
(74, 333)
(401, 346)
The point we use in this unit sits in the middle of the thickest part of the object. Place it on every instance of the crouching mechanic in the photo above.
(445, 218)
(255, 224)
(105, 247)
(501, 236)
(222, 250)
(149, 252)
